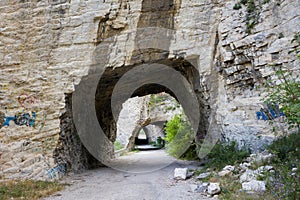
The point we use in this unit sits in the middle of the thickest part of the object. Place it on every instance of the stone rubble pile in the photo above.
(249, 178)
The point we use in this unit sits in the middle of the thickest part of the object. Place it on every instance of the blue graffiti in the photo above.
(55, 172)
(21, 119)
(269, 113)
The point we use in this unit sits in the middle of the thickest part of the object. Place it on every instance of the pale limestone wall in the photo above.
(245, 66)
(47, 46)
(133, 112)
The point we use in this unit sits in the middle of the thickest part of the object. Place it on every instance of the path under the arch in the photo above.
(110, 184)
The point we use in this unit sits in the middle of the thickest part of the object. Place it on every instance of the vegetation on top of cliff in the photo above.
(253, 10)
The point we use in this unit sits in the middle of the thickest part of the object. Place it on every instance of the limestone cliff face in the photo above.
(47, 47)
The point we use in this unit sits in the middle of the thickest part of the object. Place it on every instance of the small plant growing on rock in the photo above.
(237, 6)
(244, 2)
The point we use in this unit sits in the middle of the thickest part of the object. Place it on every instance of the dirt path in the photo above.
(144, 176)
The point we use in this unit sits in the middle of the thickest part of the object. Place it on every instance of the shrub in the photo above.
(237, 6)
(244, 2)
(286, 94)
(180, 138)
(251, 6)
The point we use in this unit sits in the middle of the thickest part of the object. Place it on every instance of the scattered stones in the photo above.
(245, 165)
(294, 170)
(259, 158)
(265, 168)
(254, 185)
(200, 188)
(204, 175)
(213, 188)
(180, 173)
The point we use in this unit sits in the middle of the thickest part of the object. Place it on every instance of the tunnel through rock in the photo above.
(153, 14)
(71, 151)
(142, 119)
(111, 76)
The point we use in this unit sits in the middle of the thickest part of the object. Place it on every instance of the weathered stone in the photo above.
(294, 169)
(203, 175)
(254, 185)
(248, 175)
(213, 188)
(245, 165)
(180, 173)
(229, 168)
(265, 168)
(224, 173)
(63, 42)
(202, 188)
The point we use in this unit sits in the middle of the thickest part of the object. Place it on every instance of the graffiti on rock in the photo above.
(21, 119)
(24, 117)
(27, 101)
(269, 113)
(57, 172)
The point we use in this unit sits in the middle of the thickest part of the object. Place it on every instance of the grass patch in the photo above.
(118, 146)
(284, 183)
(226, 154)
(28, 189)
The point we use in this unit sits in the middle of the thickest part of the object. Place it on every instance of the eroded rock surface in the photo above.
(48, 47)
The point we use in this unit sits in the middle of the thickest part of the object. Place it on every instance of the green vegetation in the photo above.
(157, 143)
(296, 39)
(118, 146)
(180, 138)
(157, 99)
(253, 12)
(286, 93)
(237, 6)
(280, 35)
(226, 154)
(28, 189)
(284, 183)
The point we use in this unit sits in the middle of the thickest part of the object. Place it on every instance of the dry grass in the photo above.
(28, 189)
(231, 186)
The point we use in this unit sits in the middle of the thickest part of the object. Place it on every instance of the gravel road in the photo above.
(146, 175)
